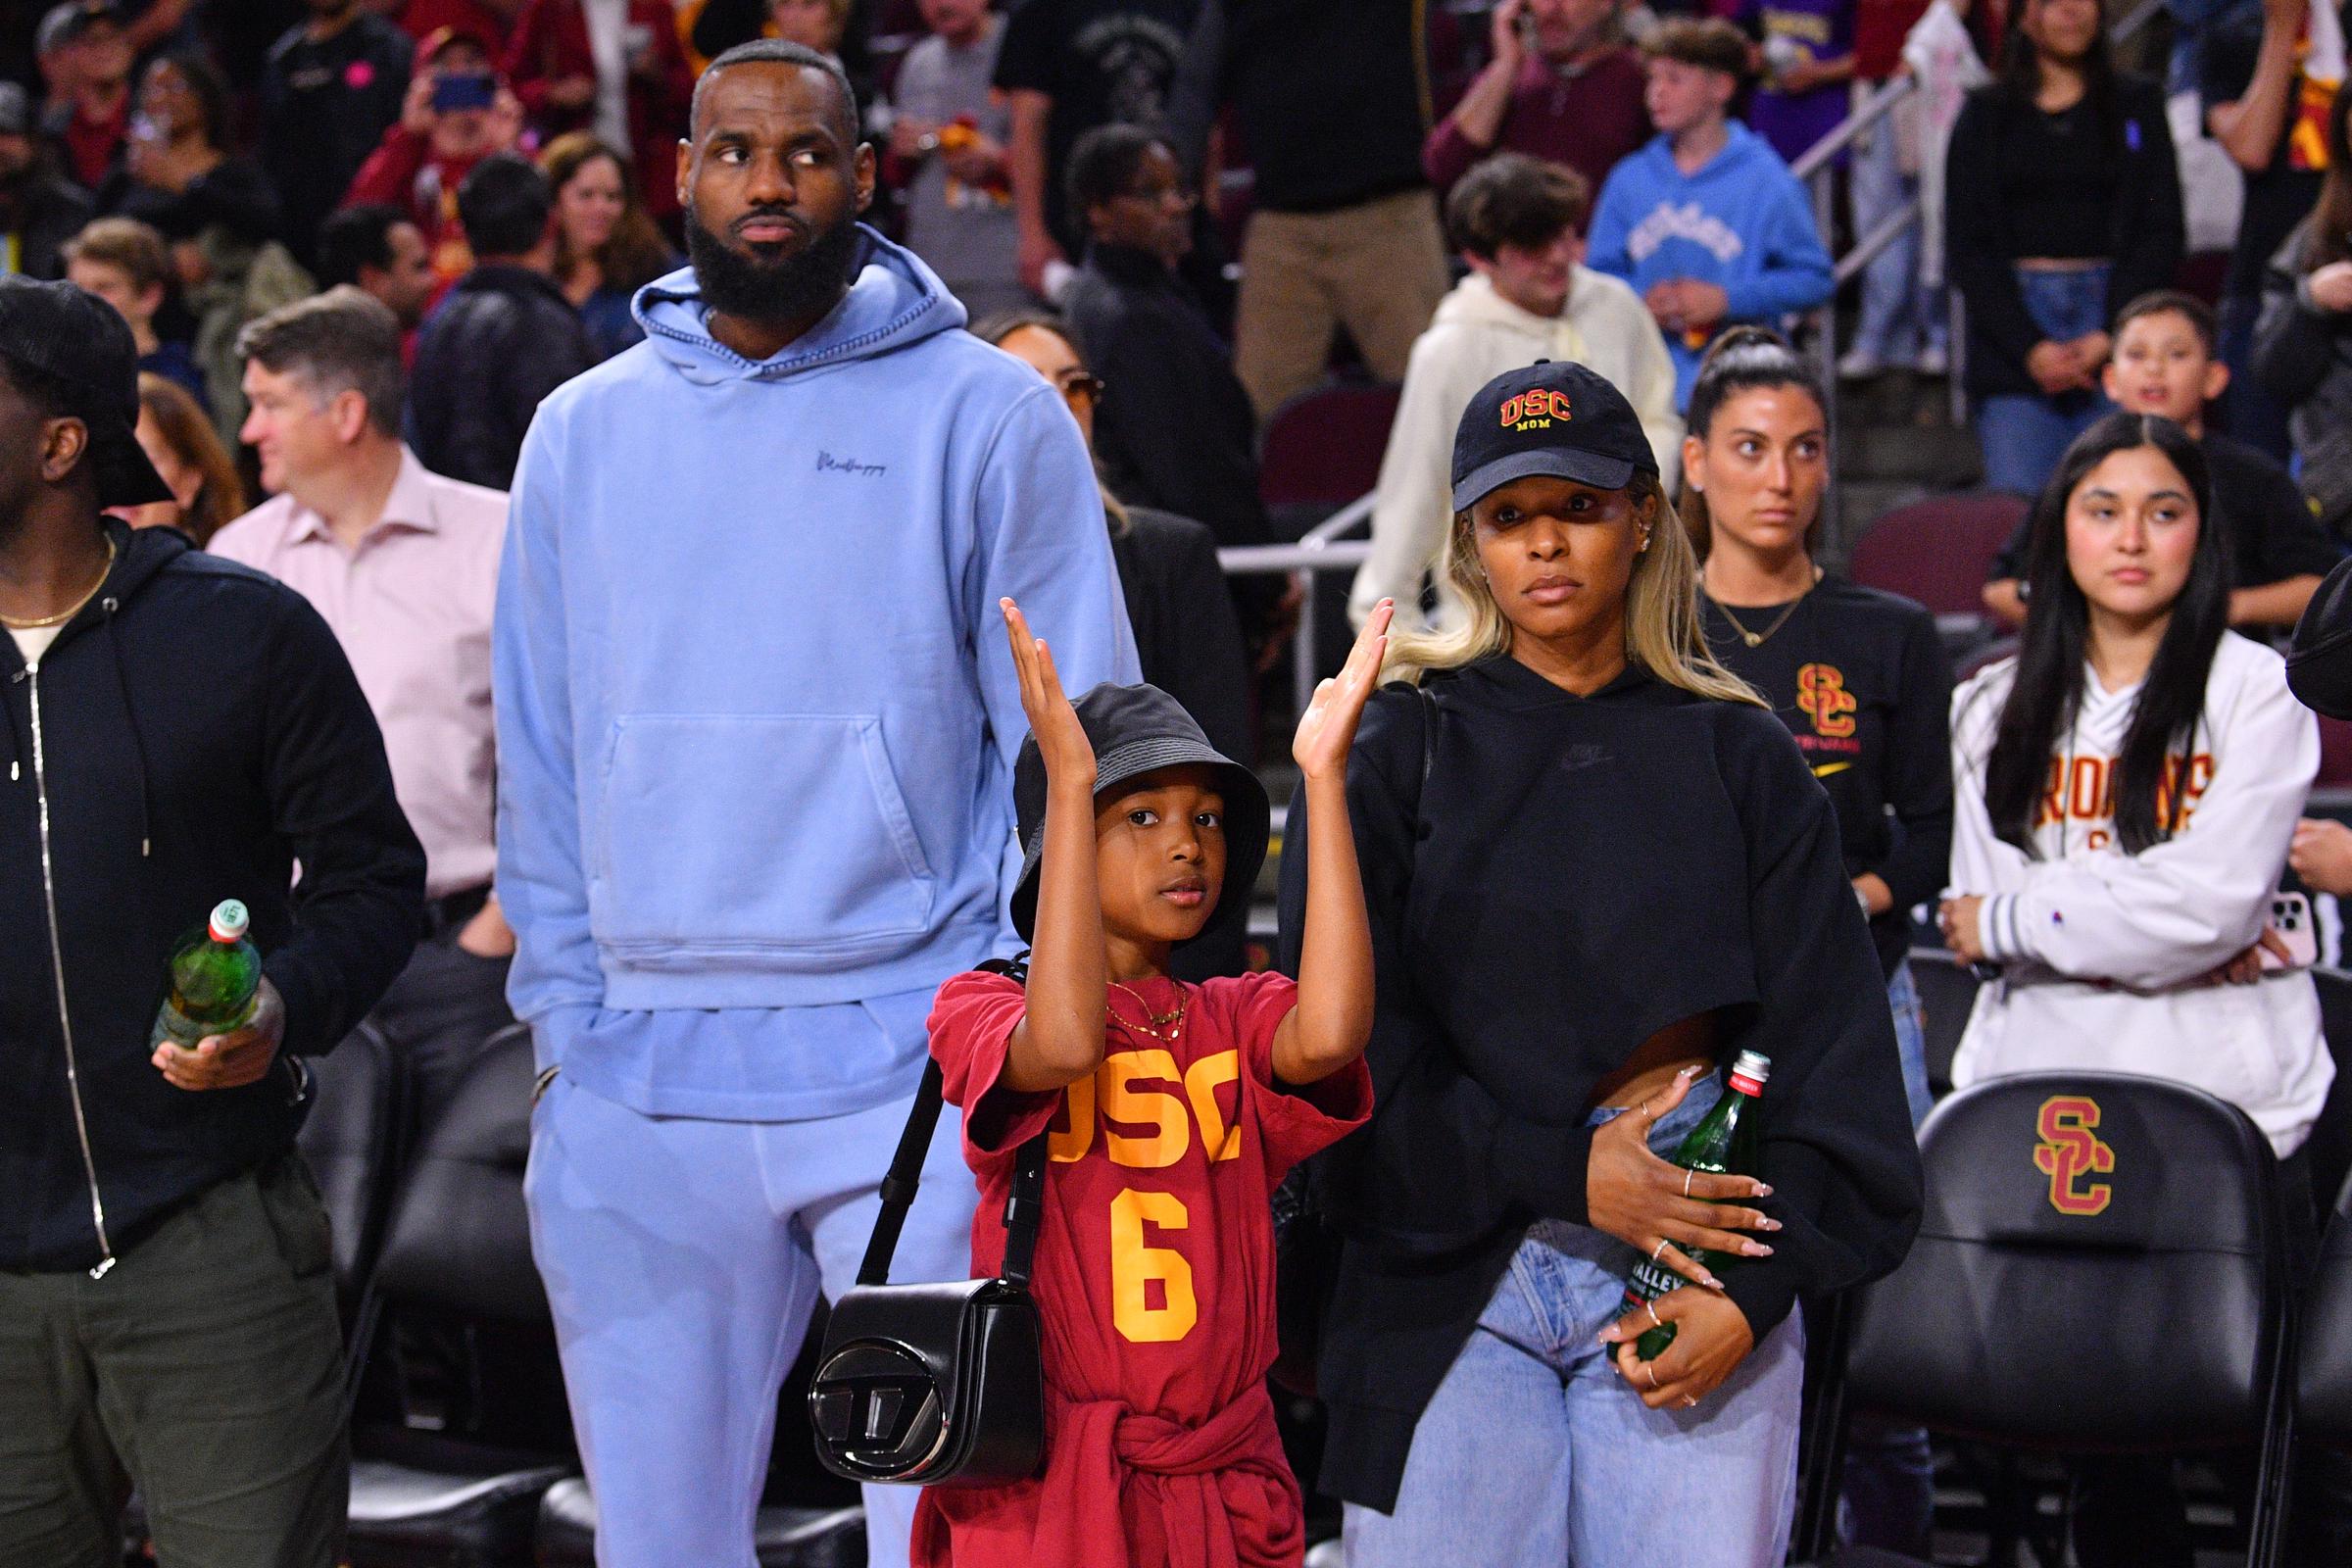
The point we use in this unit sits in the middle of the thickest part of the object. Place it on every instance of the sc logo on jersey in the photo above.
(2071, 1153)
(1822, 697)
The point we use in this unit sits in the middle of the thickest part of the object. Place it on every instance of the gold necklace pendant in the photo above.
(1154, 1019)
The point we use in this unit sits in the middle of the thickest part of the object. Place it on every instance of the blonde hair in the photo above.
(1663, 632)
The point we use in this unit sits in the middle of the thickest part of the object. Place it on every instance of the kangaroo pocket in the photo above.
(770, 841)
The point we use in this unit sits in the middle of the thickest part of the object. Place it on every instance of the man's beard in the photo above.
(794, 288)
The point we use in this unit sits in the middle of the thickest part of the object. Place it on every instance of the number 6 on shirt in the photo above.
(1133, 1266)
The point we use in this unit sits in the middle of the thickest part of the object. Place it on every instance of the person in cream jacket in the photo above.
(1519, 224)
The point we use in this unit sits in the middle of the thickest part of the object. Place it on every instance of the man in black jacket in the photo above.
(178, 730)
(504, 338)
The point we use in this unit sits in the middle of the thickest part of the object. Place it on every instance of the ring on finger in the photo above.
(1652, 1367)
(1661, 1250)
(1686, 1175)
(1655, 1321)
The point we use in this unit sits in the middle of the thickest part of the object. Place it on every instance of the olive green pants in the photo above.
(205, 1369)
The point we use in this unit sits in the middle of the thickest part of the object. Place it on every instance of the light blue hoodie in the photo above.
(756, 716)
(1741, 222)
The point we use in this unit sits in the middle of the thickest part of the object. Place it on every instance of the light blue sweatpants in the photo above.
(682, 1259)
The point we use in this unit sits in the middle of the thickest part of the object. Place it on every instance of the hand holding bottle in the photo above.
(233, 1059)
(1711, 1338)
(1658, 1208)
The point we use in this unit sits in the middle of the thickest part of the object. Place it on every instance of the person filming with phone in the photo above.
(2125, 791)
(457, 113)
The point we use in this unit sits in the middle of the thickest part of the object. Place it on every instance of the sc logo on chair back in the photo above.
(2071, 1153)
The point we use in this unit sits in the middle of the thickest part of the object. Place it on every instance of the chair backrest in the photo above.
(2098, 1269)
(2323, 1394)
(1323, 447)
(459, 1238)
(349, 1142)
(1937, 551)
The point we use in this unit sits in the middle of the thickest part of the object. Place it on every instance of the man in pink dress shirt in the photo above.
(403, 565)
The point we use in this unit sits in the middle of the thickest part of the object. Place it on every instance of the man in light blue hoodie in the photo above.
(757, 723)
(1706, 223)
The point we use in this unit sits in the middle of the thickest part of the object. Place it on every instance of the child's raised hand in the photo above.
(1326, 729)
(1060, 738)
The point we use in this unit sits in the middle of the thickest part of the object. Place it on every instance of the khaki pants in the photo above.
(1377, 270)
(205, 1369)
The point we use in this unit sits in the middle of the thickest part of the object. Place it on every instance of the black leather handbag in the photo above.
(935, 1385)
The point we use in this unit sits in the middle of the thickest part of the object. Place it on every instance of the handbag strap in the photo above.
(1023, 1206)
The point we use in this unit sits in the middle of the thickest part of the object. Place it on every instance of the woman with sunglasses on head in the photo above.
(1185, 634)
(1597, 871)
(2125, 790)
(1861, 680)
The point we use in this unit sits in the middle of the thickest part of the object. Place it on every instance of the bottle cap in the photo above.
(229, 922)
(1749, 1070)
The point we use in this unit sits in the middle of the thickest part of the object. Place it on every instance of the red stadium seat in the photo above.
(1937, 551)
(1323, 447)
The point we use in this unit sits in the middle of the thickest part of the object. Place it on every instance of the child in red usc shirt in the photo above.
(1172, 1112)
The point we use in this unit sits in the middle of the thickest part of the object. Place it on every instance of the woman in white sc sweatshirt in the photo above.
(2125, 790)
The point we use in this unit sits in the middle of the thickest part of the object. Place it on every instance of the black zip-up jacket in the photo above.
(1573, 875)
(191, 734)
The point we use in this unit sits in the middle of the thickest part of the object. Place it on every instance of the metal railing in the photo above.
(1319, 550)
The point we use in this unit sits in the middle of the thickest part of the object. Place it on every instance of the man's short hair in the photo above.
(779, 52)
(1104, 163)
(1512, 199)
(127, 245)
(503, 206)
(355, 238)
(1709, 42)
(343, 340)
(2172, 301)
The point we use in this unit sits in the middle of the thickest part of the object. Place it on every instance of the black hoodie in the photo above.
(191, 734)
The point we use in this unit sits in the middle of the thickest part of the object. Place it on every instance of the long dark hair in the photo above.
(1745, 358)
(2330, 237)
(2047, 691)
(2021, 69)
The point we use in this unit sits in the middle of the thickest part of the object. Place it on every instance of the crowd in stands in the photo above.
(413, 287)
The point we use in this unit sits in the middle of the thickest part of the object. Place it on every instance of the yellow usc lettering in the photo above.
(1112, 1093)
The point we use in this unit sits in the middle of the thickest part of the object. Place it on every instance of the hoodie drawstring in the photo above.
(16, 736)
(139, 744)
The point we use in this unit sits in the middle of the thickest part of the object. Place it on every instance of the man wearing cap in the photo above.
(87, 57)
(179, 731)
(39, 210)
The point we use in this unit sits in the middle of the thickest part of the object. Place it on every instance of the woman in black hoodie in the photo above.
(1596, 868)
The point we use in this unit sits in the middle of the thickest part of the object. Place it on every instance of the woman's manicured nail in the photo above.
(1770, 1223)
(1755, 1249)
(1712, 1282)
(1763, 1190)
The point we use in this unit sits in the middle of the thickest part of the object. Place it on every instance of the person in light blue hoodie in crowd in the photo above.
(756, 730)
(1706, 223)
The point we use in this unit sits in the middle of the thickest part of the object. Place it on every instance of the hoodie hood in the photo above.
(1743, 152)
(1473, 302)
(894, 301)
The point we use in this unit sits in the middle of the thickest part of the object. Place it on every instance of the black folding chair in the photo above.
(2100, 1271)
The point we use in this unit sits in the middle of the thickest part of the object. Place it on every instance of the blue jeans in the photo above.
(1535, 1451)
(1899, 315)
(1911, 1041)
(2024, 435)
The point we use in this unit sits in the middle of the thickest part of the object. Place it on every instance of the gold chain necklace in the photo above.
(1758, 639)
(1183, 1001)
(71, 611)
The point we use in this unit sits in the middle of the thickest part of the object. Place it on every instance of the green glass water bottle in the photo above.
(215, 981)
(1723, 1143)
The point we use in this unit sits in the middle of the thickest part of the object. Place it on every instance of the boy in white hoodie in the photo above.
(1519, 224)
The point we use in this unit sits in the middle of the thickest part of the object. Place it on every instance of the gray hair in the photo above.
(344, 340)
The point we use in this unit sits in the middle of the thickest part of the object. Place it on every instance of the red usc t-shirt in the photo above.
(1154, 1279)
